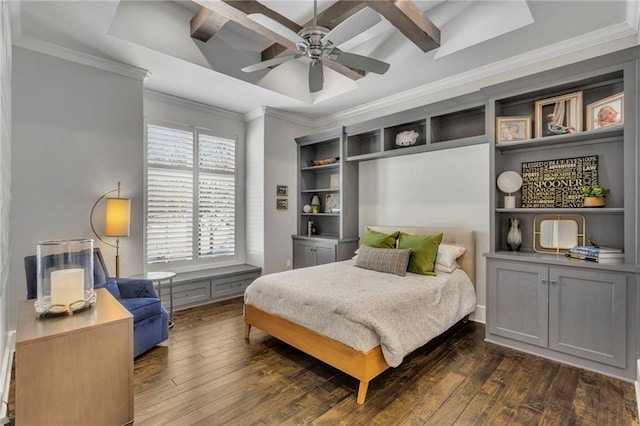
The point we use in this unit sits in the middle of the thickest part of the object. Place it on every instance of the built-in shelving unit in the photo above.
(448, 124)
(565, 309)
(337, 228)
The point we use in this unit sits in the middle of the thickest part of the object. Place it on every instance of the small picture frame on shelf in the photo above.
(282, 204)
(334, 181)
(512, 129)
(282, 190)
(559, 115)
(332, 203)
(606, 112)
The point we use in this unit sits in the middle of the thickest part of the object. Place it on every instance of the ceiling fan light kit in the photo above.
(319, 43)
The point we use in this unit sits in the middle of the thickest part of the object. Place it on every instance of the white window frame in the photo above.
(196, 263)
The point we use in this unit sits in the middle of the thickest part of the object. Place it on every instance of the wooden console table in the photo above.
(75, 370)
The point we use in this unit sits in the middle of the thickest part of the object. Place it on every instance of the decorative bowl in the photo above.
(325, 161)
(407, 138)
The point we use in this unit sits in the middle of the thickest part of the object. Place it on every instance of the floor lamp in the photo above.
(117, 221)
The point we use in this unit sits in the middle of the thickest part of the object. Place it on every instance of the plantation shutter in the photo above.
(216, 196)
(169, 194)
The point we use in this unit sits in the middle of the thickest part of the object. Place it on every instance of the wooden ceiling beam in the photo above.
(410, 20)
(205, 24)
(238, 10)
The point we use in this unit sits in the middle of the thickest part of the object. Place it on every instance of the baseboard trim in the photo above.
(480, 315)
(5, 375)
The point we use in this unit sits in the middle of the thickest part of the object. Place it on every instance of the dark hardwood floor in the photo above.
(210, 375)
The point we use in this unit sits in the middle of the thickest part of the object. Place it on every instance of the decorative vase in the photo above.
(315, 204)
(594, 201)
(514, 236)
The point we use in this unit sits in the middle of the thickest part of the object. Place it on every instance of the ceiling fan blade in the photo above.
(316, 76)
(360, 62)
(353, 26)
(270, 63)
(276, 27)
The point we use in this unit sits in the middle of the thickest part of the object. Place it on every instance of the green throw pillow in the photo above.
(424, 249)
(380, 239)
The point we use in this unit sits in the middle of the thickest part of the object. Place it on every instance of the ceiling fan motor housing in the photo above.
(314, 47)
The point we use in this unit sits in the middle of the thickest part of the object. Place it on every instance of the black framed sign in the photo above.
(557, 183)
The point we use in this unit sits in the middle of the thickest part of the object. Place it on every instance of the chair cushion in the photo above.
(142, 308)
(112, 287)
(99, 274)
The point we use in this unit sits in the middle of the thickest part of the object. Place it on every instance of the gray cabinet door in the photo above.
(303, 254)
(325, 253)
(587, 314)
(517, 301)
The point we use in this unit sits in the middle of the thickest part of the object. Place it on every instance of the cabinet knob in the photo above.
(543, 281)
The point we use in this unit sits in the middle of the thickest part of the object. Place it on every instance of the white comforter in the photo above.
(363, 308)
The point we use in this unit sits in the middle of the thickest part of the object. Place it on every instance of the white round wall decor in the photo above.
(509, 182)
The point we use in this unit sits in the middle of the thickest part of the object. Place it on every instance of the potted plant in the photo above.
(594, 195)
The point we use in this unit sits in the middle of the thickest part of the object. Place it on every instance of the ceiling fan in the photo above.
(318, 43)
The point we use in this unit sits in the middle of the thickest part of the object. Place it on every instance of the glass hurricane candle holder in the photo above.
(65, 276)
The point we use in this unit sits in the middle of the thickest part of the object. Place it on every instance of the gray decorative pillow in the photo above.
(393, 261)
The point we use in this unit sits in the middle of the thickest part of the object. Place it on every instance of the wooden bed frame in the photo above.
(364, 366)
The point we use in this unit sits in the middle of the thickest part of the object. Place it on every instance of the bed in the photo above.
(284, 303)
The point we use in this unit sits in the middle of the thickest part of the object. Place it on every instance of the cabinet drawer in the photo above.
(232, 286)
(189, 293)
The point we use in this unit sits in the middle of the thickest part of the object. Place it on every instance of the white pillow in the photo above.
(447, 256)
(440, 268)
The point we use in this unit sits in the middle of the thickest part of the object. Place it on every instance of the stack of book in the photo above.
(596, 254)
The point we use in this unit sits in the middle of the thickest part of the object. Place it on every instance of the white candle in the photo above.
(67, 286)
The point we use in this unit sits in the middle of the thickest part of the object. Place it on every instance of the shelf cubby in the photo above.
(462, 124)
(390, 134)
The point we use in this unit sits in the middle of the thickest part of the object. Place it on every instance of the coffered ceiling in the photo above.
(195, 50)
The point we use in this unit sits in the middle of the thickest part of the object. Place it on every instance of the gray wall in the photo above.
(255, 191)
(271, 161)
(5, 181)
(77, 131)
(280, 164)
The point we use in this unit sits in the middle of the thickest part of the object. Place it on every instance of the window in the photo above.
(190, 196)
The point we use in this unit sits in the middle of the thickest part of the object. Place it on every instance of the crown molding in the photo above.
(289, 116)
(72, 55)
(283, 115)
(186, 103)
(256, 113)
(474, 78)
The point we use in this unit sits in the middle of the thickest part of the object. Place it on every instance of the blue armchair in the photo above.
(150, 319)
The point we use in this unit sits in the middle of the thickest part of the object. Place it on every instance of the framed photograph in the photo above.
(332, 203)
(282, 204)
(560, 115)
(606, 112)
(512, 129)
(282, 190)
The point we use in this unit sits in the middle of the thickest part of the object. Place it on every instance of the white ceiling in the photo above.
(479, 38)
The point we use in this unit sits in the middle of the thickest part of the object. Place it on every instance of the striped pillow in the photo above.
(393, 261)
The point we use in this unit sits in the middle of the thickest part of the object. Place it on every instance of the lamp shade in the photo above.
(117, 217)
